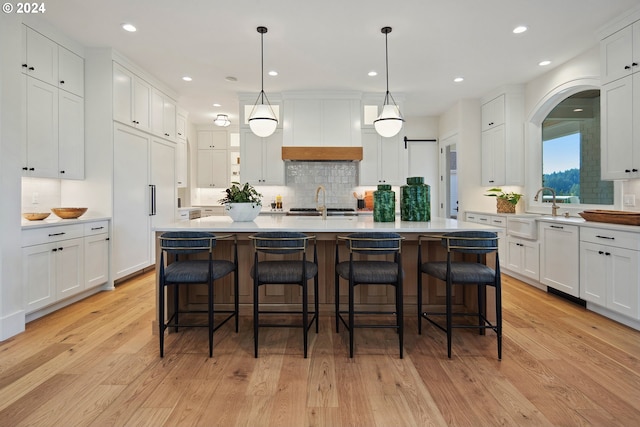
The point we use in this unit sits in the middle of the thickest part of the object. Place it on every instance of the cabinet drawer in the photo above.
(617, 238)
(499, 221)
(51, 234)
(97, 227)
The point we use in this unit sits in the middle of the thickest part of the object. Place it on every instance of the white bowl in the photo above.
(242, 211)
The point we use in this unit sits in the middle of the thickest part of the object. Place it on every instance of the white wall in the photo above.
(12, 87)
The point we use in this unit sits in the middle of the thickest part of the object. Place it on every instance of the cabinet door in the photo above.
(212, 140)
(493, 157)
(131, 202)
(493, 113)
(163, 179)
(515, 255)
(169, 118)
(69, 267)
(71, 136)
(531, 259)
(622, 292)
(212, 169)
(273, 165)
(42, 129)
(617, 155)
(181, 127)
(122, 95)
(96, 260)
(251, 158)
(560, 258)
(70, 71)
(181, 164)
(38, 276)
(370, 159)
(593, 273)
(616, 55)
(42, 57)
(141, 104)
(391, 170)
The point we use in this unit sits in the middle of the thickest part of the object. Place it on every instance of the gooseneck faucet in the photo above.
(322, 208)
(554, 207)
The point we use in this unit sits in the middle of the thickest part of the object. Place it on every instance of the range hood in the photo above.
(320, 154)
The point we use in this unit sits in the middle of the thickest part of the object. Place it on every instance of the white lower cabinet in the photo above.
(523, 257)
(609, 264)
(61, 261)
(559, 257)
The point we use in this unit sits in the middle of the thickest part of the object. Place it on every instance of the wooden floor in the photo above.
(96, 363)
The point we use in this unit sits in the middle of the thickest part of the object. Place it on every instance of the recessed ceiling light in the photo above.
(129, 27)
(578, 110)
(231, 79)
(217, 105)
(458, 79)
(187, 78)
(273, 73)
(372, 73)
(519, 29)
(543, 63)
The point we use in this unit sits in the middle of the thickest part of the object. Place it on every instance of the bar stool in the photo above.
(184, 271)
(464, 273)
(365, 267)
(272, 269)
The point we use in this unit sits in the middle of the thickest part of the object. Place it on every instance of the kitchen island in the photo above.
(326, 231)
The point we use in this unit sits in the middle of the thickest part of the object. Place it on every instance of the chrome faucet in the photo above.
(554, 207)
(322, 208)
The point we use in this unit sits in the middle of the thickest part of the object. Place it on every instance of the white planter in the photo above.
(242, 211)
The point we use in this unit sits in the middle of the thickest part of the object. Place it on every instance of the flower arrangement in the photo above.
(241, 193)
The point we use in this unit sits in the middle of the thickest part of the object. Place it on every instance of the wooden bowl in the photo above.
(35, 216)
(69, 213)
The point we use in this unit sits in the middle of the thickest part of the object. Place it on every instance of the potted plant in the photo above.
(505, 202)
(242, 202)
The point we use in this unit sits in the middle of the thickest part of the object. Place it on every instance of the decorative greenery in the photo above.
(512, 198)
(241, 193)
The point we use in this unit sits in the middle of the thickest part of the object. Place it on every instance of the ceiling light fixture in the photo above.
(262, 120)
(187, 79)
(543, 63)
(222, 120)
(217, 105)
(129, 27)
(389, 122)
(520, 29)
(273, 73)
(458, 79)
(372, 73)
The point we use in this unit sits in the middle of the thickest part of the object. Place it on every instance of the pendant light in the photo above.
(389, 122)
(262, 119)
(222, 120)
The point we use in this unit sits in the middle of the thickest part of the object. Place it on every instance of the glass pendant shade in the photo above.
(389, 122)
(262, 120)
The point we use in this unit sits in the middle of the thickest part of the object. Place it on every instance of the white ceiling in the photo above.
(333, 44)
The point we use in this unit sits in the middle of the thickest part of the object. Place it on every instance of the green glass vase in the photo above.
(415, 200)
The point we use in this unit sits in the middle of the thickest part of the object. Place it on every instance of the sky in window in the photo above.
(561, 154)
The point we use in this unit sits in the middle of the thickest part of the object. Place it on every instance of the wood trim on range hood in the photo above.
(322, 153)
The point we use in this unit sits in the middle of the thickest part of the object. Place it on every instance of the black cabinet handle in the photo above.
(605, 237)
(24, 65)
(54, 250)
(557, 226)
(61, 171)
(106, 238)
(600, 252)
(634, 170)
(627, 67)
(32, 169)
(61, 82)
(56, 234)
(60, 249)
(31, 68)
(491, 124)
(607, 253)
(634, 64)
(627, 170)
(25, 168)
(96, 228)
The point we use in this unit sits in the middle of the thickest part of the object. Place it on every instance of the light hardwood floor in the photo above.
(96, 363)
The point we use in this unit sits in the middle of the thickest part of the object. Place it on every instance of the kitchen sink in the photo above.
(523, 225)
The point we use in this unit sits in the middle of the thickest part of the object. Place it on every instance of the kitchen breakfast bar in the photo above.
(326, 232)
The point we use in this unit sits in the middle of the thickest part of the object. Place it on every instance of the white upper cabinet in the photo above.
(70, 72)
(49, 62)
(382, 159)
(41, 57)
(212, 140)
(70, 136)
(620, 53)
(181, 126)
(493, 112)
(163, 115)
(42, 130)
(261, 158)
(503, 138)
(131, 98)
(313, 121)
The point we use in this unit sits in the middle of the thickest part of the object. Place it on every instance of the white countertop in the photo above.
(53, 221)
(313, 224)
